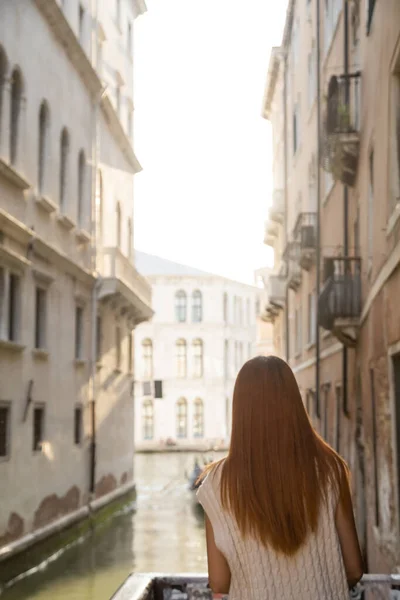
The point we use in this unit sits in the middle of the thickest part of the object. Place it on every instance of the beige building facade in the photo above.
(333, 100)
(70, 296)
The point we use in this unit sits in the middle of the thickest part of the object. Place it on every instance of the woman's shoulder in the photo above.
(210, 480)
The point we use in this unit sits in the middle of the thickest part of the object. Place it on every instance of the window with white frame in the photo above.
(198, 418)
(40, 317)
(332, 10)
(148, 419)
(10, 305)
(147, 359)
(181, 418)
(198, 358)
(181, 359)
(197, 307)
(180, 306)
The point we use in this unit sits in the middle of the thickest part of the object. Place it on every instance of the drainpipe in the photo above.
(285, 174)
(345, 194)
(318, 232)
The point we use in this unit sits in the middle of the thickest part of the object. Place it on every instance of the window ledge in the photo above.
(393, 219)
(46, 204)
(310, 345)
(80, 362)
(12, 346)
(66, 222)
(83, 236)
(13, 176)
(40, 353)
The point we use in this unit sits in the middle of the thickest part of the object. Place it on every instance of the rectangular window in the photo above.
(38, 428)
(40, 318)
(13, 307)
(99, 335)
(370, 215)
(158, 389)
(5, 430)
(78, 425)
(130, 352)
(146, 388)
(312, 318)
(375, 445)
(370, 13)
(78, 333)
(118, 342)
(81, 24)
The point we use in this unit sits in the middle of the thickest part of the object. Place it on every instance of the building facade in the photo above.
(70, 295)
(333, 99)
(188, 355)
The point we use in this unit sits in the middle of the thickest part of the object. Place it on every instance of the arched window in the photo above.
(64, 158)
(15, 116)
(148, 420)
(3, 71)
(119, 225)
(225, 307)
(81, 187)
(130, 238)
(181, 360)
(198, 418)
(43, 145)
(99, 208)
(180, 306)
(181, 418)
(197, 358)
(197, 307)
(147, 355)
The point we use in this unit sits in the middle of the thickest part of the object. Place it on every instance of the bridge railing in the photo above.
(153, 586)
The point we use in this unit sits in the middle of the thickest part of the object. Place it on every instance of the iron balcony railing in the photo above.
(305, 230)
(340, 297)
(191, 587)
(343, 104)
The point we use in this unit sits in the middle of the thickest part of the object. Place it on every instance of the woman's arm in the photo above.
(219, 574)
(348, 538)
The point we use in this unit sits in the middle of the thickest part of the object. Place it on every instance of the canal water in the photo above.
(164, 534)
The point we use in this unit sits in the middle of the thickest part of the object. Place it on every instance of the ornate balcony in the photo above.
(291, 256)
(277, 210)
(121, 283)
(305, 232)
(276, 290)
(339, 302)
(271, 233)
(341, 140)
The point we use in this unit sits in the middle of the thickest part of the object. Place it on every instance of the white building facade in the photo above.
(188, 355)
(70, 296)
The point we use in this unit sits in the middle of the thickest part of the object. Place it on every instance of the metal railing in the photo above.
(340, 297)
(190, 587)
(343, 104)
(305, 230)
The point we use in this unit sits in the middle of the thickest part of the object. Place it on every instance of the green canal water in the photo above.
(165, 534)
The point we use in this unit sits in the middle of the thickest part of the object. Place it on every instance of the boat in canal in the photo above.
(190, 587)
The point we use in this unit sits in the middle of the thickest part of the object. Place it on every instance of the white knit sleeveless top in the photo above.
(315, 572)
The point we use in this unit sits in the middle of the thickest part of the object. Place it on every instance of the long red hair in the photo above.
(278, 469)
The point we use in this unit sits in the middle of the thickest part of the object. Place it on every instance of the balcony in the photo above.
(339, 304)
(121, 282)
(305, 232)
(291, 256)
(341, 139)
(276, 290)
(277, 210)
(271, 233)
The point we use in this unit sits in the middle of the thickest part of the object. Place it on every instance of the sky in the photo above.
(200, 70)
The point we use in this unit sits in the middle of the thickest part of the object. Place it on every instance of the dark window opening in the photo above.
(371, 7)
(158, 389)
(64, 152)
(78, 332)
(43, 132)
(16, 98)
(375, 445)
(38, 428)
(78, 425)
(81, 187)
(13, 300)
(4, 431)
(40, 318)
